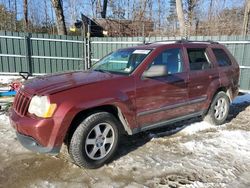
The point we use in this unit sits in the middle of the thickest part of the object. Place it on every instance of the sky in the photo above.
(78, 6)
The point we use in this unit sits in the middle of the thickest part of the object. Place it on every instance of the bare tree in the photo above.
(25, 13)
(180, 15)
(61, 26)
(142, 9)
(246, 18)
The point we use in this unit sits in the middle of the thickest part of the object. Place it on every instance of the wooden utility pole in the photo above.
(180, 16)
(61, 26)
(246, 18)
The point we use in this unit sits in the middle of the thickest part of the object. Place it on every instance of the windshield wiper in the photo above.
(101, 70)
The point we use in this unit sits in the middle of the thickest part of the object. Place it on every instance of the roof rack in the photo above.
(183, 41)
(190, 41)
(161, 41)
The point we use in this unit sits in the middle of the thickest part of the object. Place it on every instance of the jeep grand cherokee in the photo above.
(128, 91)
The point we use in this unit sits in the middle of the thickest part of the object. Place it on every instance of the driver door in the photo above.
(163, 98)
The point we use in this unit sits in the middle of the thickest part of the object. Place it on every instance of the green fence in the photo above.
(39, 53)
(42, 53)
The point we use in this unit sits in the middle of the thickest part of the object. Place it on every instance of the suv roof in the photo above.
(157, 44)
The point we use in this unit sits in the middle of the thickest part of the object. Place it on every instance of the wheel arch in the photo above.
(226, 90)
(114, 110)
(213, 94)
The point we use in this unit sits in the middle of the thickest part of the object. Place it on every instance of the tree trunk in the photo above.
(143, 5)
(25, 12)
(104, 9)
(15, 15)
(46, 14)
(150, 6)
(180, 16)
(246, 18)
(61, 27)
(128, 8)
(93, 8)
(210, 15)
(191, 14)
(159, 14)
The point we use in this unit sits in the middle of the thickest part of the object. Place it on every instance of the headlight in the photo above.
(41, 107)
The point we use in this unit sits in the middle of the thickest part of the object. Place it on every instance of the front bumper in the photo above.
(31, 144)
(35, 134)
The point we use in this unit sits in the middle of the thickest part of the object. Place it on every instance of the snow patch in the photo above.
(8, 79)
(196, 127)
(4, 88)
(236, 143)
(4, 119)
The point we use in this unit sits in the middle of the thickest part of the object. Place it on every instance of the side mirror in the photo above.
(156, 71)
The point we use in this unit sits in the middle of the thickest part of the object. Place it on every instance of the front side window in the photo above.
(221, 57)
(122, 61)
(171, 58)
(198, 59)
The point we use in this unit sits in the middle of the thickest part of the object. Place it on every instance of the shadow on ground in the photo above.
(131, 143)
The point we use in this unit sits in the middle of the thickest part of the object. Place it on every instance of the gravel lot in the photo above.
(188, 154)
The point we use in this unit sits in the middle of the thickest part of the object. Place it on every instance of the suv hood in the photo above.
(54, 83)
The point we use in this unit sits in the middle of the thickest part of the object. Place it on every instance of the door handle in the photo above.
(213, 76)
(178, 81)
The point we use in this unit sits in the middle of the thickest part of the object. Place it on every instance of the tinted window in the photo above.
(221, 57)
(172, 59)
(198, 59)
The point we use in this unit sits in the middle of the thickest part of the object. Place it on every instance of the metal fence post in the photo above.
(28, 53)
(83, 47)
(88, 47)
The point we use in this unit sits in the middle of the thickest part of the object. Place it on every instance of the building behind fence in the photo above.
(43, 53)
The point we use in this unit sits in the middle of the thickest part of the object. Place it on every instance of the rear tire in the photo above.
(219, 108)
(95, 140)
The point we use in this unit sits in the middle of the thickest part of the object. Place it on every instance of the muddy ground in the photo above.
(188, 154)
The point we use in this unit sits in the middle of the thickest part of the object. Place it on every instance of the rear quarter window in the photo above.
(221, 57)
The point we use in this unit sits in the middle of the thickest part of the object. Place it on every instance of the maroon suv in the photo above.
(128, 91)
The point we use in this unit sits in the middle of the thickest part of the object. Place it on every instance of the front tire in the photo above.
(219, 108)
(95, 140)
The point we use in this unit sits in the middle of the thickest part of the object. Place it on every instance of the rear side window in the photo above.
(198, 59)
(222, 58)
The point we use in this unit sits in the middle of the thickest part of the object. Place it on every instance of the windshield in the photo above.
(121, 61)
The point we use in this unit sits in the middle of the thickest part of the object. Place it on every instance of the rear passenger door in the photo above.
(229, 74)
(201, 73)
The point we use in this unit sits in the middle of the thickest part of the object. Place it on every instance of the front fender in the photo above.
(68, 110)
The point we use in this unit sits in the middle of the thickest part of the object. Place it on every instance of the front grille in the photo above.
(21, 103)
